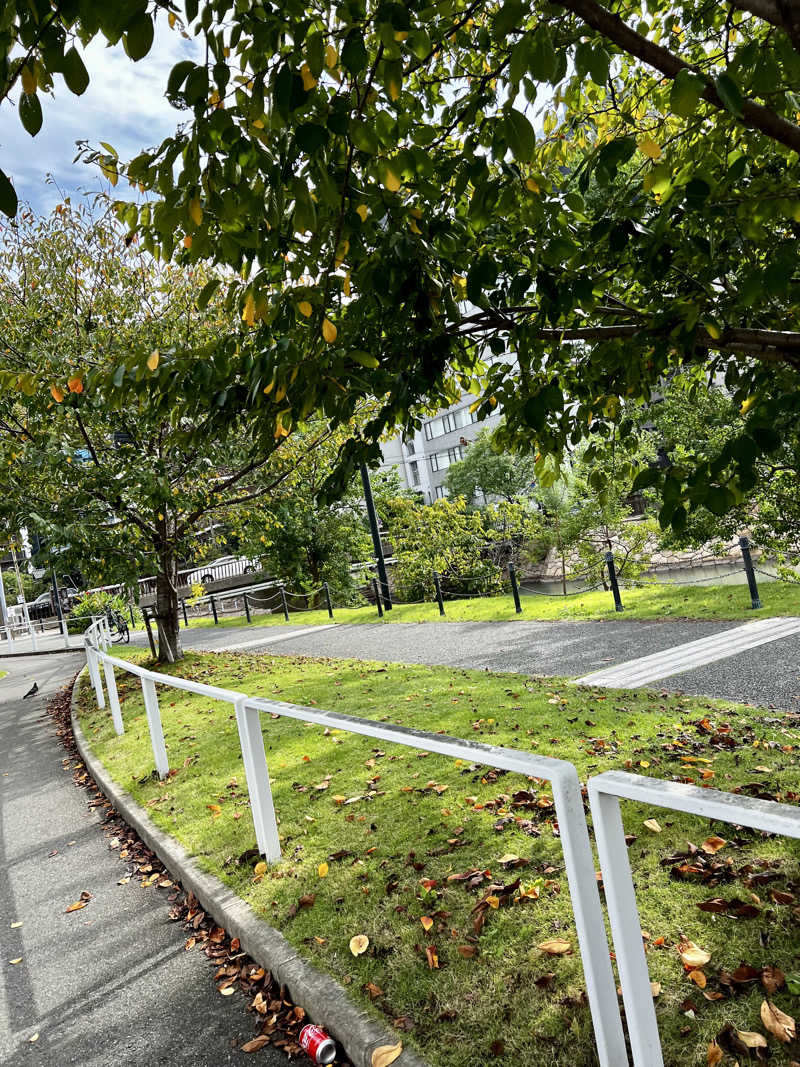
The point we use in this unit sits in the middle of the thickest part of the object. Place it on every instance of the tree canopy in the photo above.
(392, 190)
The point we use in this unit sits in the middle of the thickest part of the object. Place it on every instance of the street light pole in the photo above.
(376, 537)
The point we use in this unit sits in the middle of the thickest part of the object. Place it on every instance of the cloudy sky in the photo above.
(124, 105)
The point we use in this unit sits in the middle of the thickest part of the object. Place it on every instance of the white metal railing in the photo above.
(563, 778)
(605, 791)
(26, 629)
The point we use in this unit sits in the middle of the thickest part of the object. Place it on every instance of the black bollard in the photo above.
(185, 616)
(612, 575)
(512, 577)
(438, 587)
(328, 599)
(377, 597)
(133, 620)
(214, 610)
(285, 604)
(247, 608)
(755, 599)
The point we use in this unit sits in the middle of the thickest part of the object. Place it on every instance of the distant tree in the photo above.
(489, 469)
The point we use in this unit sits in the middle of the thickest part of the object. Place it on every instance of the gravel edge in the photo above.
(323, 998)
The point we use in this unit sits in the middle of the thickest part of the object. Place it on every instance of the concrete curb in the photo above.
(323, 998)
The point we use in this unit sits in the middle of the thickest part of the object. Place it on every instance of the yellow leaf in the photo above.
(653, 826)
(391, 181)
(309, 81)
(77, 906)
(412, 225)
(322, 870)
(152, 360)
(649, 148)
(746, 405)
(28, 78)
(56, 393)
(187, 241)
(712, 845)
(362, 211)
(714, 1054)
(555, 947)
(17, 960)
(305, 308)
(75, 384)
(346, 284)
(172, 18)
(359, 944)
(228, 991)
(393, 85)
(713, 331)
(699, 978)
(195, 210)
(655, 989)
(692, 955)
(531, 185)
(268, 388)
(329, 331)
(260, 868)
(331, 57)
(427, 922)
(386, 1054)
(249, 310)
(215, 810)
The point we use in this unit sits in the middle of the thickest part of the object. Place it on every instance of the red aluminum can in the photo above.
(319, 1045)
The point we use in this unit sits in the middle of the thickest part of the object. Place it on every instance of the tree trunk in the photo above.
(168, 608)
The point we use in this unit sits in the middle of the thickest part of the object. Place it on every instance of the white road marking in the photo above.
(686, 657)
(269, 640)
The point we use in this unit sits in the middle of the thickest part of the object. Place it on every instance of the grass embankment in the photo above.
(393, 826)
(647, 602)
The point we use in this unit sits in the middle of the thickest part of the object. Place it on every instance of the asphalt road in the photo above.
(108, 985)
(768, 675)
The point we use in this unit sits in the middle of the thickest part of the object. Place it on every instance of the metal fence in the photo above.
(605, 791)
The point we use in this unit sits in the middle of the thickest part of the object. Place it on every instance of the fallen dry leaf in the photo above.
(260, 868)
(16, 926)
(228, 991)
(555, 947)
(772, 978)
(653, 825)
(386, 1054)
(76, 906)
(751, 1039)
(699, 978)
(33, 1038)
(427, 922)
(17, 960)
(692, 955)
(714, 1054)
(322, 870)
(655, 989)
(256, 1044)
(433, 957)
(778, 1023)
(359, 944)
(467, 951)
(712, 845)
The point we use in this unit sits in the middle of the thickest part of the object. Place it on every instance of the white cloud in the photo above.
(124, 105)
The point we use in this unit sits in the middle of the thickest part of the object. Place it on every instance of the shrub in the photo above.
(97, 604)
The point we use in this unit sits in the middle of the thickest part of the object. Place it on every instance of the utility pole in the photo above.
(376, 537)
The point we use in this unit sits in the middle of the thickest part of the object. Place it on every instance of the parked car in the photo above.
(42, 607)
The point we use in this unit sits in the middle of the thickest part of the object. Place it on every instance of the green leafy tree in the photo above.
(605, 194)
(488, 469)
(103, 465)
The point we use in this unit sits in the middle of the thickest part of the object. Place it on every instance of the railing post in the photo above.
(214, 609)
(94, 674)
(113, 698)
(146, 617)
(247, 608)
(328, 599)
(512, 577)
(377, 593)
(755, 599)
(284, 602)
(133, 617)
(612, 575)
(438, 587)
(185, 616)
(255, 768)
(154, 723)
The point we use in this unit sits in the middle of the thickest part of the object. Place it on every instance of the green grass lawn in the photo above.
(647, 602)
(394, 826)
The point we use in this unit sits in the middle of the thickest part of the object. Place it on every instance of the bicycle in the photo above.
(118, 628)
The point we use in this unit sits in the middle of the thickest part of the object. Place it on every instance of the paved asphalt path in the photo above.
(108, 985)
(768, 675)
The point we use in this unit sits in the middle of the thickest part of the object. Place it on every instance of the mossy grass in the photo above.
(645, 602)
(393, 824)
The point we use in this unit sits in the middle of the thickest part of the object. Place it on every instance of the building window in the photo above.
(414, 473)
(441, 492)
(453, 420)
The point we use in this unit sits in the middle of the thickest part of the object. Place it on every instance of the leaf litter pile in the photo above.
(277, 1020)
(434, 889)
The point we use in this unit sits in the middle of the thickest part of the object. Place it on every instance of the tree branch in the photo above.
(611, 26)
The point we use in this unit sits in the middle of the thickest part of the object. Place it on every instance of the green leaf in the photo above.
(645, 478)
(520, 136)
(8, 196)
(178, 75)
(685, 93)
(364, 359)
(207, 292)
(30, 113)
(354, 53)
(364, 138)
(508, 17)
(542, 58)
(139, 38)
(310, 137)
(75, 73)
(730, 94)
(717, 500)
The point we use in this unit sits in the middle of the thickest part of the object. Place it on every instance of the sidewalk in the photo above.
(109, 984)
